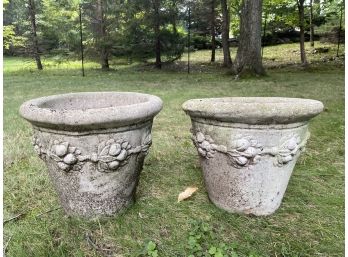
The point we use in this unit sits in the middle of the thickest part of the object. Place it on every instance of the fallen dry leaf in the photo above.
(187, 193)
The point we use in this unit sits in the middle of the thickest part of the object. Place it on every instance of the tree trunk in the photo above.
(158, 63)
(31, 8)
(264, 34)
(212, 31)
(174, 16)
(225, 34)
(300, 5)
(311, 24)
(339, 31)
(249, 59)
(103, 51)
(81, 41)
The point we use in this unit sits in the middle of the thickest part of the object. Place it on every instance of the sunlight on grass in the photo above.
(273, 56)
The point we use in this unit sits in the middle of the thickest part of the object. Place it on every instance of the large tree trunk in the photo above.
(158, 63)
(212, 30)
(103, 51)
(311, 23)
(31, 9)
(249, 59)
(225, 34)
(300, 5)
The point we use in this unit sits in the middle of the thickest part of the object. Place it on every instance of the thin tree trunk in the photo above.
(339, 31)
(103, 51)
(158, 63)
(174, 16)
(225, 34)
(212, 31)
(249, 59)
(264, 34)
(300, 4)
(188, 39)
(81, 41)
(31, 8)
(311, 25)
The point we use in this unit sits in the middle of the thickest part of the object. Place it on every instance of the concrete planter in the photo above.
(94, 145)
(248, 147)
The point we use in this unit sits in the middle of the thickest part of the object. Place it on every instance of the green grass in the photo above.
(275, 56)
(309, 222)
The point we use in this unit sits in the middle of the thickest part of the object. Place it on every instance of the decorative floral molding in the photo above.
(205, 145)
(290, 146)
(110, 155)
(245, 150)
(38, 148)
(66, 156)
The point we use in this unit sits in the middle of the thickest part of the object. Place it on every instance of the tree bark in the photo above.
(32, 12)
(311, 23)
(339, 31)
(103, 51)
(81, 41)
(300, 5)
(174, 16)
(225, 34)
(264, 34)
(212, 30)
(158, 63)
(249, 59)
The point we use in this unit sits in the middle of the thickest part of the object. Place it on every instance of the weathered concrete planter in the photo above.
(94, 145)
(248, 147)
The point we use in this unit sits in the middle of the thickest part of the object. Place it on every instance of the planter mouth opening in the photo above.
(90, 101)
(91, 110)
(254, 110)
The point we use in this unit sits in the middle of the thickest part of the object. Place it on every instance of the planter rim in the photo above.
(90, 110)
(254, 110)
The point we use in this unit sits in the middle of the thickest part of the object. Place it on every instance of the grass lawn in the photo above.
(310, 221)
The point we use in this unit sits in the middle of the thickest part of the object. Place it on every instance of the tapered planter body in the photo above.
(248, 147)
(94, 145)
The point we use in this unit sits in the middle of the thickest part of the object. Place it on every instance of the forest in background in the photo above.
(161, 31)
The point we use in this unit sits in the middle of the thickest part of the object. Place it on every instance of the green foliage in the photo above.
(235, 6)
(59, 25)
(16, 26)
(130, 25)
(173, 42)
(331, 13)
(11, 39)
(203, 42)
(201, 18)
(280, 14)
(149, 250)
(332, 7)
(203, 242)
(138, 33)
